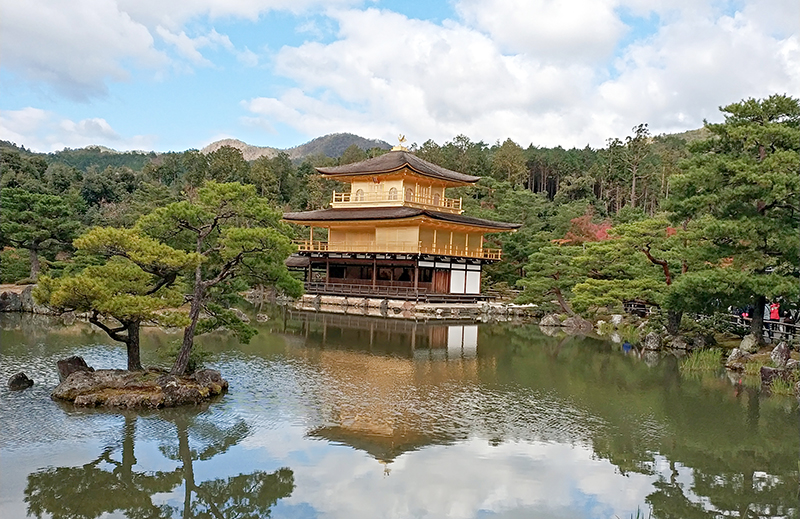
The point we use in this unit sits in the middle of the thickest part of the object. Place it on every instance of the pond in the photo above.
(350, 417)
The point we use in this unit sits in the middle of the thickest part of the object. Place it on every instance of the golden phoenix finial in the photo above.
(401, 138)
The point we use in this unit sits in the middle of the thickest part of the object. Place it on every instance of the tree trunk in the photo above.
(128, 457)
(564, 304)
(35, 266)
(134, 358)
(673, 321)
(185, 453)
(757, 324)
(182, 362)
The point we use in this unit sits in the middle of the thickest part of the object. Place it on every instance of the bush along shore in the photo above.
(706, 345)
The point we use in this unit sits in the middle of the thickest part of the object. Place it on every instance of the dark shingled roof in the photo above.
(396, 160)
(390, 213)
(297, 261)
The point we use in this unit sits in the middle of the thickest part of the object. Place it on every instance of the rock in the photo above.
(616, 319)
(68, 318)
(19, 382)
(780, 355)
(678, 343)
(139, 389)
(793, 364)
(700, 341)
(10, 302)
(651, 358)
(736, 360)
(550, 320)
(240, 315)
(262, 318)
(70, 365)
(652, 342)
(211, 378)
(749, 344)
(577, 325)
(768, 375)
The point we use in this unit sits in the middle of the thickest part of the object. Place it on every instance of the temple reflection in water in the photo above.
(441, 340)
(393, 358)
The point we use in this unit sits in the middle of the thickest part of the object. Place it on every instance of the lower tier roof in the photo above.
(393, 213)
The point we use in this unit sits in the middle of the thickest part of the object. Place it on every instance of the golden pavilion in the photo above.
(395, 234)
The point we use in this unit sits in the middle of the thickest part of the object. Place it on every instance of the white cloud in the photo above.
(74, 48)
(44, 131)
(504, 72)
(696, 64)
(390, 74)
(189, 47)
(77, 47)
(247, 58)
(175, 13)
(569, 30)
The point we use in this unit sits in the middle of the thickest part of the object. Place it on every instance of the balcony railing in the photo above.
(450, 205)
(400, 247)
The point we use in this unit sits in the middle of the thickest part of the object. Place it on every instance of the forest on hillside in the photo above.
(696, 222)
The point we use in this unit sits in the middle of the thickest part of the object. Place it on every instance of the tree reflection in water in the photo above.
(109, 483)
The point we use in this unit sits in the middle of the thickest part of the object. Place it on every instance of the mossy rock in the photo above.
(152, 388)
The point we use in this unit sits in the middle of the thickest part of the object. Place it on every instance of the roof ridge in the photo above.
(395, 160)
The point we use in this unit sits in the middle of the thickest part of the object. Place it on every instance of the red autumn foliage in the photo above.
(583, 230)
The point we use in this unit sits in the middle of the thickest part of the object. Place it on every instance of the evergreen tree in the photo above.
(36, 222)
(740, 192)
(136, 284)
(236, 233)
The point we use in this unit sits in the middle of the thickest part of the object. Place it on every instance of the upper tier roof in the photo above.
(392, 213)
(394, 161)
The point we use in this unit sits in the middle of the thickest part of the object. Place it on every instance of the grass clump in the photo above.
(702, 360)
(783, 387)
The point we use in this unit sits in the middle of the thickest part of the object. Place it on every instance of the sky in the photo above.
(180, 74)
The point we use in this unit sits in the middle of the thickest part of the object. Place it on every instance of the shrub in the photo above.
(15, 265)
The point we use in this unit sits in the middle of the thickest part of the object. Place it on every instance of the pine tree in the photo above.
(740, 194)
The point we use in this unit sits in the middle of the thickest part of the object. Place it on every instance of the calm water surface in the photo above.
(346, 417)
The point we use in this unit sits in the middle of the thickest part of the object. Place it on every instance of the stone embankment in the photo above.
(19, 298)
(400, 309)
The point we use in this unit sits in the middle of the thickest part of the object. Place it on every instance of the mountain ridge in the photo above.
(331, 145)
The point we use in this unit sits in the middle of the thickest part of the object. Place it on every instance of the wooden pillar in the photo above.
(466, 244)
(374, 270)
(327, 271)
(311, 237)
(434, 242)
(416, 275)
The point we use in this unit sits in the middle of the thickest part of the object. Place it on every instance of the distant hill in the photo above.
(101, 157)
(693, 135)
(332, 145)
